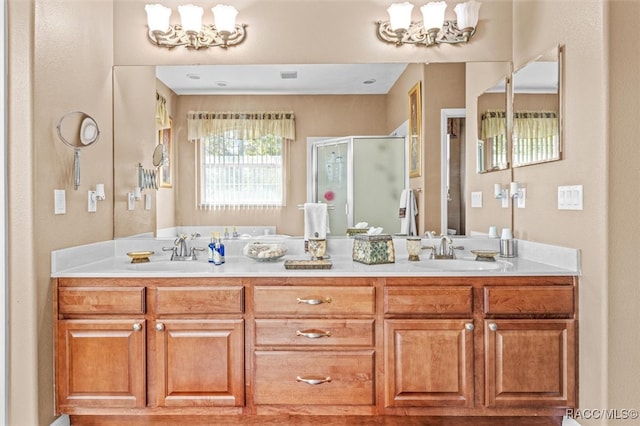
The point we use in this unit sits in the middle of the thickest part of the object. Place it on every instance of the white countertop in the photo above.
(109, 259)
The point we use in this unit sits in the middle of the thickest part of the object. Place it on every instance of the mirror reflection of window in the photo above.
(492, 146)
(536, 110)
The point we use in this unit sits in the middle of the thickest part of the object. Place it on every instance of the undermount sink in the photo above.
(461, 265)
(169, 266)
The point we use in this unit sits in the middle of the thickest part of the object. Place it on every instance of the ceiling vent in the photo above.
(288, 75)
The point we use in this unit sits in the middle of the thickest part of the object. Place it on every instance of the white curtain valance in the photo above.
(162, 115)
(493, 123)
(251, 125)
(535, 124)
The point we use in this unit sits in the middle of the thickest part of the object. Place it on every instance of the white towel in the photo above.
(408, 210)
(316, 220)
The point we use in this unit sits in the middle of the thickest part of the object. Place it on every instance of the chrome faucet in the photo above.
(180, 249)
(446, 249)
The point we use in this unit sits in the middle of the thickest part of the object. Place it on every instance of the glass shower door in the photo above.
(333, 187)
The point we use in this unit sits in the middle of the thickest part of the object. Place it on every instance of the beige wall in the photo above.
(63, 58)
(582, 30)
(622, 224)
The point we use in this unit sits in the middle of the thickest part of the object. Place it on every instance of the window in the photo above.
(241, 172)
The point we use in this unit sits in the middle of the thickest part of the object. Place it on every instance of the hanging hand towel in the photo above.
(408, 212)
(316, 220)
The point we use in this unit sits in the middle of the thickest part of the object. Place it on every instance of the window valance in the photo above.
(162, 115)
(492, 123)
(250, 125)
(535, 124)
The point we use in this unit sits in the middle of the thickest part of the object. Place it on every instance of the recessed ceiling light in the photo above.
(222, 83)
(288, 75)
(193, 76)
(369, 81)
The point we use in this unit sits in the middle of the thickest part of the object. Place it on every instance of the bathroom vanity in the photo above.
(254, 339)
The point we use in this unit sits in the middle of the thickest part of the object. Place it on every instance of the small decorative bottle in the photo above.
(212, 247)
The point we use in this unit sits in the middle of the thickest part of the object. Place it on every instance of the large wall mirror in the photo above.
(537, 110)
(492, 146)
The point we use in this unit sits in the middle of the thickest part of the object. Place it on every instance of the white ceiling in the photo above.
(321, 79)
(312, 79)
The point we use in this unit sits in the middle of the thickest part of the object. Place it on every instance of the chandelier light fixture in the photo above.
(191, 32)
(433, 29)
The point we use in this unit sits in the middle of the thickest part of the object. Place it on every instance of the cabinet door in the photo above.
(428, 363)
(101, 363)
(530, 363)
(200, 363)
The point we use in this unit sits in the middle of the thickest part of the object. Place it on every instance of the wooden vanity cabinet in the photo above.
(314, 346)
(131, 343)
(428, 358)
(200, 348)
(530, 345)
(100, 347)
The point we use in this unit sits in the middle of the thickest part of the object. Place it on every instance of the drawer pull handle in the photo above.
(469, 326)
(137, 326)
(493, 326)
(313, 380)
(160, 326)
(313, 334)
(314, 300)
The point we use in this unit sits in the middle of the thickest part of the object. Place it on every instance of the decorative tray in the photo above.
(308, 264)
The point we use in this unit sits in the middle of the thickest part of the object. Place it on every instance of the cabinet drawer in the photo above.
(315, 332)
(314, 378)
(199, 300)
(429, 300)
(528, 300)
(101, 300)
(314, 300)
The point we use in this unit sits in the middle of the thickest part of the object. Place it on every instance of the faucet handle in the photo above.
(452, 248)
(432, 248)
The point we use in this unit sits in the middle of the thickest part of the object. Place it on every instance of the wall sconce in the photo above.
(433, 29)
(191, 33)
(499, 192)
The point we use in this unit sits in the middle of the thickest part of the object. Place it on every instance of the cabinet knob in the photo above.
(493, 326)
(314, 380)
(314, 300)
(313, 334)
(137, 326)
(469, 326)
(160, 326)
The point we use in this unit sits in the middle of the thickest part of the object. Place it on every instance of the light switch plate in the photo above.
(131, 201)
(570, 197)
(147, 202)
(59, 201)
(476, 199)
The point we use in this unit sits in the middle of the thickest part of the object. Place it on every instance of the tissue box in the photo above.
(356, 231)
(373, 249)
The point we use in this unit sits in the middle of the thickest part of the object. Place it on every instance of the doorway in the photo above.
(452, 166)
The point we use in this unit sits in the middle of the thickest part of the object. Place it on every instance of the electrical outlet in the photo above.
(59, 201)
(522, 198)
(92, 202)
(505, 200)
(147, 202)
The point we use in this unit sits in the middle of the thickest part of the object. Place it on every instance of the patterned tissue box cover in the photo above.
(373, 249)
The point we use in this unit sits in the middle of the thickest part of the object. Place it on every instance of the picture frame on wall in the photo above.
(166, 169)
(415, 130)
